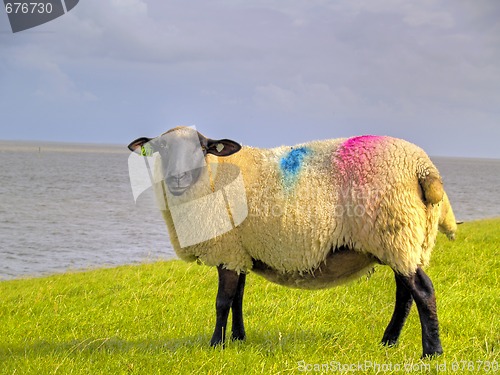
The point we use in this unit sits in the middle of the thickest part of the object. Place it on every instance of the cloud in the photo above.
(422, 18)
(363, 65)
(49, 81)
(317, 99)
(56, 85)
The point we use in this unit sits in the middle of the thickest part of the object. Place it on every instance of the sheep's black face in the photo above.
(183, 151)
(183, 158)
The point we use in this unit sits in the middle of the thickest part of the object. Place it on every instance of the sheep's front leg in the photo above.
(229, 295)
(238, 328)
(404, 301)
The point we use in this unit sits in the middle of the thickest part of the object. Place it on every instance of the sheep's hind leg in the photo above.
(425, 298)
(404, 301)
(422, 291)
(229, 296)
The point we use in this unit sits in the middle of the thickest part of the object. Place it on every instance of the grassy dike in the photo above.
(158, 319)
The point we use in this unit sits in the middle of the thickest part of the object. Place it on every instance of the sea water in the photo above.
(70, 207)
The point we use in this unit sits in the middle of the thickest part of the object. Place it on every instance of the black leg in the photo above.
(230, 290)
(422, 291)
(404, 301)
(238, 329)
(426, 303)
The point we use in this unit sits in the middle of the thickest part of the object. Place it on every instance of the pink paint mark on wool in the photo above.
(354, 155)
(361, 142)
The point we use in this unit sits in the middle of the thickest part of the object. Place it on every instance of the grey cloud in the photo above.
(352, 65)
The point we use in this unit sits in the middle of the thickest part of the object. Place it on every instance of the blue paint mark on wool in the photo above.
(292, 162)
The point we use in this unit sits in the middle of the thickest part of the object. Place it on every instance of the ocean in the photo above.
(68, 207)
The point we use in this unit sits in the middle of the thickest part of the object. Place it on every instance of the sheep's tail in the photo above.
(432, 187)
(434, 194)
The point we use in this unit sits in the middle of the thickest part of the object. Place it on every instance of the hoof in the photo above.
(216, 342)
(432, 354)
(389, 342)
(238, 336)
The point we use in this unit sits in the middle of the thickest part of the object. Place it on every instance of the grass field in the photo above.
(158, 319)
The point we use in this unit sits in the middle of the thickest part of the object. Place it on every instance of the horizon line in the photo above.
(37, 145)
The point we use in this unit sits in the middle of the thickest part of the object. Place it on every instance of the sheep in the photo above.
(309, 216)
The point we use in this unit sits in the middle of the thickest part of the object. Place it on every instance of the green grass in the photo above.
(158, 319)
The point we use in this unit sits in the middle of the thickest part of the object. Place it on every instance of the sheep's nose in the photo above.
(180, 176)
(179, 183)
(177, 179)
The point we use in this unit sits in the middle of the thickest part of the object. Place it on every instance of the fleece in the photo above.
(373, 195)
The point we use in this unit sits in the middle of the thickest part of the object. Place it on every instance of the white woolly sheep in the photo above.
(314, 215)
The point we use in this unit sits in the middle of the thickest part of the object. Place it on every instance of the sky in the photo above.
(262, 72)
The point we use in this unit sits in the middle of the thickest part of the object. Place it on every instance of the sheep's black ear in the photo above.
(138, 143)
(222, 147)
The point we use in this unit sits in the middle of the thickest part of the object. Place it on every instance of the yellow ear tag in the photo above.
(219, 147)
(146, 150)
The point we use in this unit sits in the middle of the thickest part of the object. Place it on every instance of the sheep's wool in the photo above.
(363, 193)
